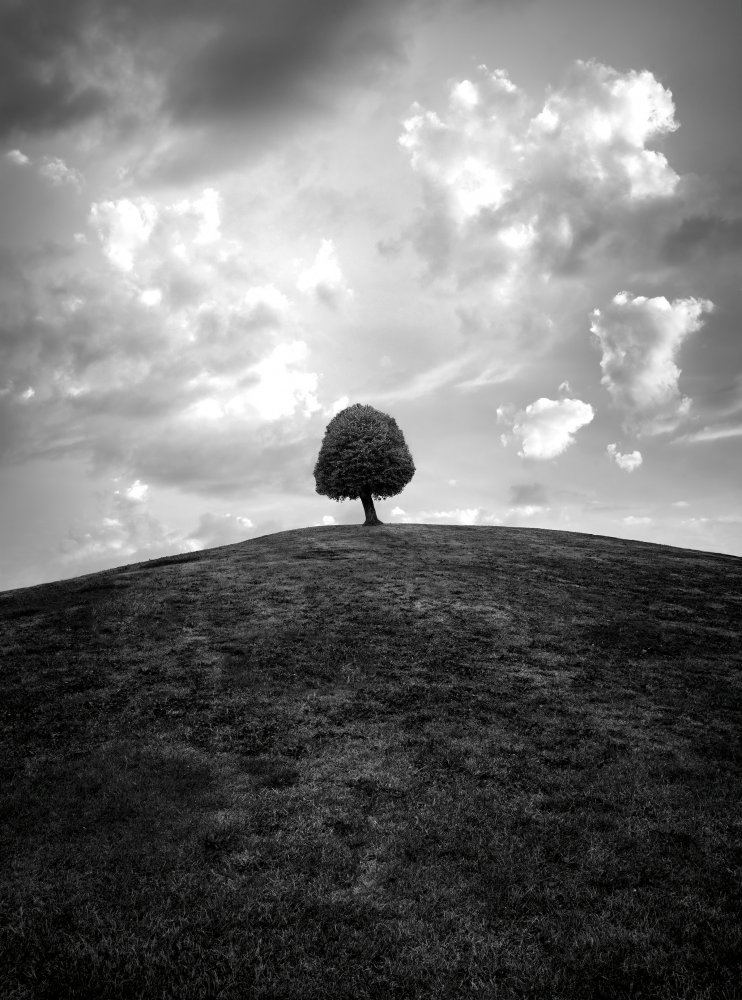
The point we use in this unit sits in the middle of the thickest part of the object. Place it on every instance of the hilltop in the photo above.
(407, 761)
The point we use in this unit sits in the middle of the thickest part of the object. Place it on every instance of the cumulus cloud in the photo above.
(628, 462)
(129, 229)
(639, 339)
(124, 227)
(547, 427)
(162, 357)
(506, 181)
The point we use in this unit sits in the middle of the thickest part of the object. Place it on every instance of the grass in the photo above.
(412, 761)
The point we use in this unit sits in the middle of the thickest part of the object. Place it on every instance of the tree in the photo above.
(363, 456)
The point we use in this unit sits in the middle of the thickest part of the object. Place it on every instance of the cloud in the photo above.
(628, 462)
(160, 358)
(16, 156)
(51, 168)
(266, 58)
(58, 172)
(639, 339)
(164, 79)
(706, 434)
(123, 531)
(124, 227)
(525, 512)
(520, 197)
(506, 182)
(547, 427)
(220, 529)
(43, 49)
(460, 515)
(129, 228)
(324, 278)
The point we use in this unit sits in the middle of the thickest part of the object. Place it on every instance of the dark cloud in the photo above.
(41, 46)
(264, 57)
(528, 493)
(702, 235)
(218, 60)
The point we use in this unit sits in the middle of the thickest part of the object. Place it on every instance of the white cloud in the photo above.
(180, 368)
(206, 213)
(281, 388)
(137, 491)
(509, 180)
(526, 511)
(124, 227)
(628, 462)
(324, 278)
(602, 121)
(518, 197)
(151, 297)
(547, 427)
(639, 339)
(338, 405)
(131, 230)
(633, 519)
(275, 387)
(460, 515)
(17, 157)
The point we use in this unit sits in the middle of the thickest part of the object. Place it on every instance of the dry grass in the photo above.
(410, 761)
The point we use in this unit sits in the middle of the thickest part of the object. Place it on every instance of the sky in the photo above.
(513, 225)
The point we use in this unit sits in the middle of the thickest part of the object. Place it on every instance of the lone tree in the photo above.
(363, 455)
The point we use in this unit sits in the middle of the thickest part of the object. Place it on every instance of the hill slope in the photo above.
(412, 761)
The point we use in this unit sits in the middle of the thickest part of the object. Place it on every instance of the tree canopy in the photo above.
(363, 453)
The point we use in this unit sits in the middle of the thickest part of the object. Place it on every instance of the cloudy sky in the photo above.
(515, 225)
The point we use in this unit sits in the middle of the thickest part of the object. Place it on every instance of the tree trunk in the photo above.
(369, 509)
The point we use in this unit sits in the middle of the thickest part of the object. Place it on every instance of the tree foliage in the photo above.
(363, 451)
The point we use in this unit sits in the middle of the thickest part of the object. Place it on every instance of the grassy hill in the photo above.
(411, 761)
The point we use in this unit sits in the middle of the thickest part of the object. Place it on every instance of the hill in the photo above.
(411, 761)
